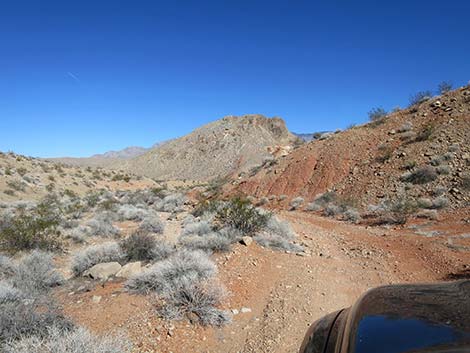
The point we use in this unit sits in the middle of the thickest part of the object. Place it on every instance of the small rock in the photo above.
(235, 311)
(130, 269)
(246, 241)
(103, 271)
(96, 299)
(245, 310)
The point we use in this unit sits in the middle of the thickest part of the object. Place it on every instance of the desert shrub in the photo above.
(36, 274)
(7, 267)
(197, 228)
(397, 211)
(9, 192)
(424, 202)
(408, 136)
(351, 215)
(427, 214)
(102, 225)
(209, 242)
(165, 277)
(29, 317)
(443, 170)
(409, 165)
(465, 182)
(436, 160)
(440, 202)
(198, 299)
(275, 241)
(139, 246)
(277, 235)
(325, 198)
(313, 206)
(444, 87)
(405, 127)
(238, 213)
(331, 210)
(171, 203)
(21, 171)
(78, 340)
(422, 175)
(131, 213)
(92, 199)
(420, 97)
(152, 223)
(219, 240)
(79, 234)
(95, 254)
(296, 203)
(16, 185)
(8, 293)
(377, 114)
(263, 201)
(31, 229)
(386, 152)
(425, 133)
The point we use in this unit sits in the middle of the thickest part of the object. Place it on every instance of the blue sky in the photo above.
(84, 77)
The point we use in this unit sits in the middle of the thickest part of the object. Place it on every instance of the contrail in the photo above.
(73, 76)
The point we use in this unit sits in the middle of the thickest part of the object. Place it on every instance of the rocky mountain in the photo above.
(231, 145)
(110, 159)
(422, 152)
(126, 153)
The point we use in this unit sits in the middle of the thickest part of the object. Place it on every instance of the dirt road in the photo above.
(276, 296)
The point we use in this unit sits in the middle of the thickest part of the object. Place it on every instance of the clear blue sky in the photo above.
(82, 77)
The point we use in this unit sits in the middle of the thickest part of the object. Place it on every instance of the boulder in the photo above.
(103, 271)
(130, 269)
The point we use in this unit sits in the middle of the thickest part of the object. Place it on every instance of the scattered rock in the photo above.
(246, 241)
(130, 269)
(103, 271)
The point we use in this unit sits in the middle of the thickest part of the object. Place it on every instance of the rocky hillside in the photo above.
(27, 178)
(421, 152)
(230, 145)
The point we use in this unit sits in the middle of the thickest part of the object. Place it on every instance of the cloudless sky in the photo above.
(83, 77)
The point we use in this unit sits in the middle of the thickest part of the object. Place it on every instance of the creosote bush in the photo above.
(238, 213)
(31, 229)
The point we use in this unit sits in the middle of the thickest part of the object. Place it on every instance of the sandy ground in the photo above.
(284, 293)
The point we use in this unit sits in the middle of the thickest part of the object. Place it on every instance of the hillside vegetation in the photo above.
(417, 154)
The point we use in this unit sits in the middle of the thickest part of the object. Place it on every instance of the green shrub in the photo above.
(31, 229)
(420, 97)
(444, 87)
(238, 213)
(377, 115)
